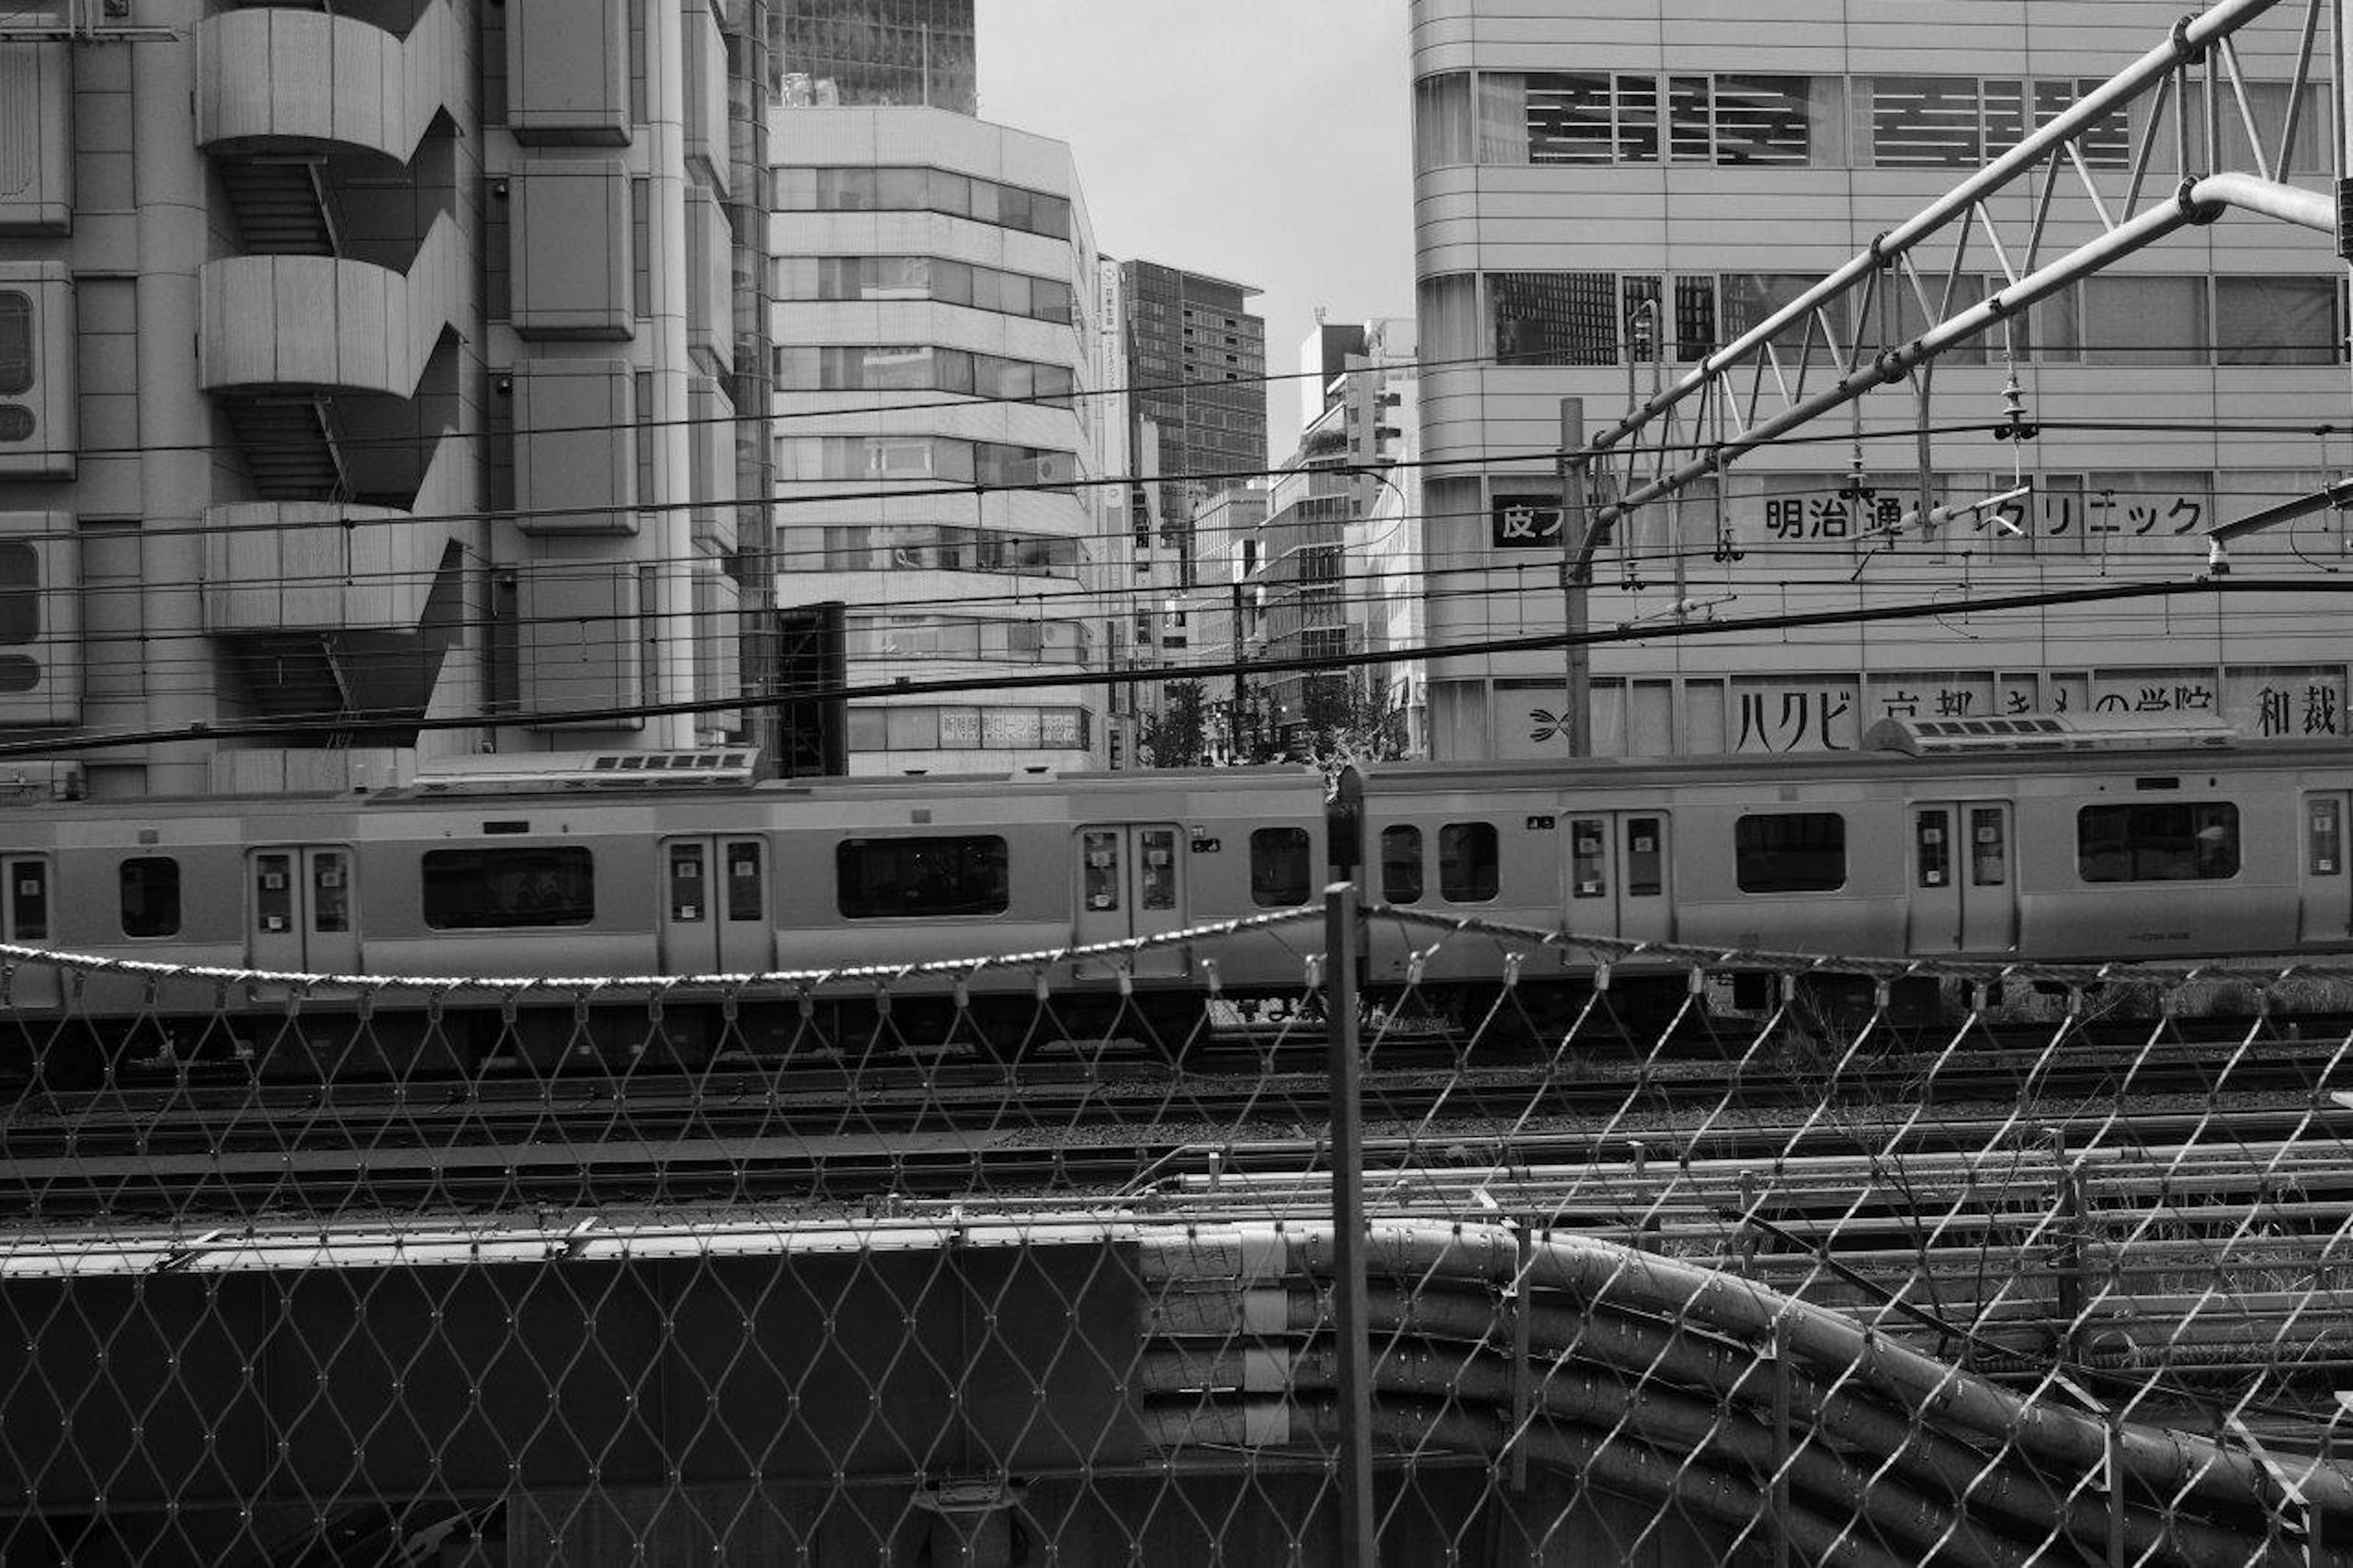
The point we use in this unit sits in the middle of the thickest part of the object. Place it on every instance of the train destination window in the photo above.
(1469, 870)
(1790, 852)
(150, 887)
(1401, 865)
(879, 879)
(487, 890)
(2149, 841)
(1280, 873)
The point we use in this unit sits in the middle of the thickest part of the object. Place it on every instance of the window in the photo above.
(2275, 320)
(1281, 872)
(2157, 841)
(1768, 120)
(2328, 837)
(885, 879)
(150, 887)
(1469, 870)
(1790, 852)
(15, 343)
(2144, 319)
(1929, 122)
(487, 890)
(1554, 317)
(1401, 865)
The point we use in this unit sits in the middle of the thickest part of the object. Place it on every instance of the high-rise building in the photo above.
(1603, 204)
(362, 368)
(1195, 374)
(901, 53)
(933, 280)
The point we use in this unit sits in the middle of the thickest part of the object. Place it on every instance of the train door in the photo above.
(1618, 875)
(301, 908)
(2325, 891)
(1964, 878)
(1131, 883)
(25, 916)
(714, 912)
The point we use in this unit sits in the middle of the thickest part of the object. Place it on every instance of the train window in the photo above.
(1099, 858)
(1469, 870)
(1280, 867)
(1645, 857)
(688, 899)
(745, 884)
(1989, 849)
(2327, 839)
(1155, 868)
(485, 890)
(28, 900)
(1790, 852)
(1588, 874)
(1401, 865)
(331, 891)
(878, 879)
(150, 886)
(1932, 848)
(2147, 841)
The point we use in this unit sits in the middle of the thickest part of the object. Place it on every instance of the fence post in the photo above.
(1357, 1547)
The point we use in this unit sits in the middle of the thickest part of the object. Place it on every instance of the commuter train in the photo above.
(2047, 838)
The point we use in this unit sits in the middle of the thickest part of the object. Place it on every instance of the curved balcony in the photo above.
(303, 321)
(297, 566)
(271, 78)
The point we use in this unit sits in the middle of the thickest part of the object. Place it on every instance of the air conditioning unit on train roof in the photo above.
(2044, 732)
(551, 772)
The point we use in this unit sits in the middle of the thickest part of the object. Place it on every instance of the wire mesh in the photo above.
(1665, 1256)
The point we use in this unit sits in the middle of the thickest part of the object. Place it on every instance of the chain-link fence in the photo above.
(1639, 1254)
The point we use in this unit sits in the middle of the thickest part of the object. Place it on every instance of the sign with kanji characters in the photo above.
(1525, 522)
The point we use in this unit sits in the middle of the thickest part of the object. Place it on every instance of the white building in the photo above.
(933, 279)
(1608, 189)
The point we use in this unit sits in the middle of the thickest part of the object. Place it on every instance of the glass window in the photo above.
(1448, 309)
(15, 343)
(902, 190)
(1554, 317)
(1932, 849)
(150, 889)
(1646, 868)
(480, 890)
(2144, 319)
(2327, 837)
(1765, 118)
(1790, 852)
(1989, 848)
(1441, 121)
(2277, 320)
(746, 894)
(1925, 122)
(1282, 869)
(1401, 865)
(1571, 118)
(1749, 297)
(1695, 336)
(20, 592)
(2157, 841)
(28, 900)
(882, 878)
(1469, 870)
(1588, 857)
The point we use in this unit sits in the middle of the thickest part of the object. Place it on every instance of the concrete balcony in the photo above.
(327, 566)
(273, 78)
(291, 323)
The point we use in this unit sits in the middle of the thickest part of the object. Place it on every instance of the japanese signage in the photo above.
(1525, 522)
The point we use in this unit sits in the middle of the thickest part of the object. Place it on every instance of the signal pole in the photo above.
(1576, 578)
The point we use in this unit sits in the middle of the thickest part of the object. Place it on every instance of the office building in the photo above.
(1196, 372)
(878, 53)
(362, 369)
(1606, 194)
(936, 424)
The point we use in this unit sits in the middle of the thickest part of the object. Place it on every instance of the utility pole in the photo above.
(1576, 578)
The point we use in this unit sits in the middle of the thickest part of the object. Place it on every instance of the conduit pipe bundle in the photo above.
(1655, 1381)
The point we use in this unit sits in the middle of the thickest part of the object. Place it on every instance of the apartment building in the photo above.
(1607, 189)
(936, 425)
(364, 370)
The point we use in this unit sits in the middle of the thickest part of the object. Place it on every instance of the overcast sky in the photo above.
(1260, 141)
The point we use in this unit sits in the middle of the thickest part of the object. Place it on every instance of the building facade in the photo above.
(896, 53)
(1196, 368)
(363, 371)
(936, 431)
(1607, 189)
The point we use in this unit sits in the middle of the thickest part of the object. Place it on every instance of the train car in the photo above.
(2028, 838)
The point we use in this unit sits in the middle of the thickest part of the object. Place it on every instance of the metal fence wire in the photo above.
(1531, 1250)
